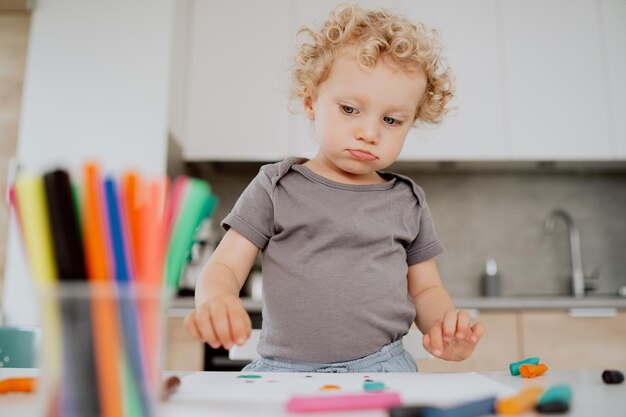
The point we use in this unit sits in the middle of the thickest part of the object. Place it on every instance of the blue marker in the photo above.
(128, 314)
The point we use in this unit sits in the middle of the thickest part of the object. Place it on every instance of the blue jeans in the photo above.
(390, 358)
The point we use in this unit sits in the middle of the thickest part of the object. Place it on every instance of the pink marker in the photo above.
(364, 401)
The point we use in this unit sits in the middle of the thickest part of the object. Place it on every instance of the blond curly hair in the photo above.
(375, 34)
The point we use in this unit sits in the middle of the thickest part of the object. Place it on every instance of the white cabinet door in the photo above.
(236, 86)
(468, 32)
(614, 18)
(555, 76)
(474, 130)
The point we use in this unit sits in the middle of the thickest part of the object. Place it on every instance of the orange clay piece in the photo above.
(329, 387)
(17, 385)
(520, 403)
(531, 371)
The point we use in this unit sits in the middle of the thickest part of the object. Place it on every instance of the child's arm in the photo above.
(219, 318)
(447, 334)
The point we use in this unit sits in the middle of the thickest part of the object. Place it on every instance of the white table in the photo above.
(591, 396)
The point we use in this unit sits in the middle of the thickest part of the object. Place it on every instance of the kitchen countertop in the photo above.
(179, 307)
(540, 302)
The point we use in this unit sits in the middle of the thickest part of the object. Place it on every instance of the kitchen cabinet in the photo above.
(561, 341)
(565, 343)
(475, 129)
(535, 80)
(182, 352)
(499, 346)
(614, 16)
(555, 80)
(235, 90)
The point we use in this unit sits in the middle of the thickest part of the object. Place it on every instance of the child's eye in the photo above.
(348, 109)
(391, 121)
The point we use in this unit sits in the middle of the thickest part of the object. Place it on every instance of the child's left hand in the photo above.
(452, 338)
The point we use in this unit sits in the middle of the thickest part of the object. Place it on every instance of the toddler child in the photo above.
(348, 249)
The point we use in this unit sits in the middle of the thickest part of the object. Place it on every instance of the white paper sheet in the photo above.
(437, 389)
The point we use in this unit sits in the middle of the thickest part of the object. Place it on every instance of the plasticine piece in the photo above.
(531, 371)
(555, 407)
(250, 376)
(556, 393)
(514, 367)
(520, 403)
(612, 377)
(373, 386)
(361, 401)
(330, 387)
(555, 400)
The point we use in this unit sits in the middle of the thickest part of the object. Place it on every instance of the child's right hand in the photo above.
(220, 321)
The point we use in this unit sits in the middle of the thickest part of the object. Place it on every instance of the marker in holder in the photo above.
(88, 366)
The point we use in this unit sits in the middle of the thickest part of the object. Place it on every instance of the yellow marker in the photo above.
(519, 403)
(33, 207)
(31, 198)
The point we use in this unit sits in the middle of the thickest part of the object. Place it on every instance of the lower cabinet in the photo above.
(564, 342)
(182, 352)
(499, 346)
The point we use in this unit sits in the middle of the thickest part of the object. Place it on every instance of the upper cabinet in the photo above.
(555, 80)
(474, 129)
(235, 87)
(535, 80)
(614, 24)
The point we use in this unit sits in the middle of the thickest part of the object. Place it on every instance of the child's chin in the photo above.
(360, 170)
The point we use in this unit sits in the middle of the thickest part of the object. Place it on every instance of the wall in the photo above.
(500, 213)
(96, 84)
(14, 26)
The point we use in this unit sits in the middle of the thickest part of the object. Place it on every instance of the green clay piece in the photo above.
(250, 376)
(373, 386)
(556, 393)
(514, 367)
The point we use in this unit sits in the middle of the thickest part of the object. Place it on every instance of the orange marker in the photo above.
(531, 371)
(104, 310)
(330, 387)
(525, 401)
(17, 385)
(132, 201)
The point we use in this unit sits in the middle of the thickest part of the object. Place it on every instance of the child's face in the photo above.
(362, 116)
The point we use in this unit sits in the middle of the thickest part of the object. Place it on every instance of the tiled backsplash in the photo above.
(483, 213)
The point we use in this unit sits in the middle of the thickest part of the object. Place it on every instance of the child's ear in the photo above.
(308, 108)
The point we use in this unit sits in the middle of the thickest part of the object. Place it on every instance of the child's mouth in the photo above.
(361, 155)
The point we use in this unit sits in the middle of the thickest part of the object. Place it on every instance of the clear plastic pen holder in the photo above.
(102, 349)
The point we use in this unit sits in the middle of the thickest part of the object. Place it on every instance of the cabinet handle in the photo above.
(592, 312)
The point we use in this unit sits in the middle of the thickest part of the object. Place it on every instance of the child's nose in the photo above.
(368, 132)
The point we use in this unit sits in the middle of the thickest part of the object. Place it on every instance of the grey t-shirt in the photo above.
(335, 259)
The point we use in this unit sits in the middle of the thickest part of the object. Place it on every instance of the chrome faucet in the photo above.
(580, 282)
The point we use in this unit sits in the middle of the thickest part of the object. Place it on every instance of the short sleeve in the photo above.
(426, 245)
(253, 213)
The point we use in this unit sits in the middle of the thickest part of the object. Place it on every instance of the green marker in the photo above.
(194, 207)
(514, 367)
(249, 376)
